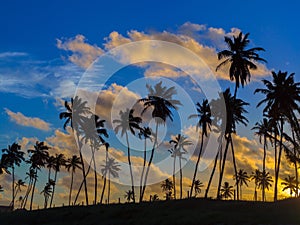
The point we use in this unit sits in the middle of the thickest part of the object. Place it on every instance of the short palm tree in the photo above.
(241, 179)
(129, 195)
(160, 100)
(128, 122)
(167, 186)
(155, 198)
(241, 60)
(18, 185)
(265, 181)
(256, 176)
(197, 187)
(226, 191)
(289, 183)
(47, 193)
(72, 164)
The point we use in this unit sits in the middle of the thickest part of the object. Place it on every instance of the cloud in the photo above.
(22, 120)
(83, 54)
(12, 54)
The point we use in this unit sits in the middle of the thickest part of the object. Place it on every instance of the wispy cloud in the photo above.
(12, 54)
(23, 120)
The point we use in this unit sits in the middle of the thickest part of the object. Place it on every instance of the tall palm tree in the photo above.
(289, 183)
(241, 178)
(111, 167)
(265, 181)
(58, 163)
(160, 100)
(256, 176)
(241, 60)
(128, 122)
(32, 176)
(197, 187)
(13, 157)
(204, 116)
(145, 133)
(38, 159)
(129, 195)
(180, 142)
(234, 115)
(47, 193)
(167, 186)
(226, 191)
(282, 98)
(72, 164)
(74, 115)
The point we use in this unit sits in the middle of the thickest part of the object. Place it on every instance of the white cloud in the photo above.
(12, 54)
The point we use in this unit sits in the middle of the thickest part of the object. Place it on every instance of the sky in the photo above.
(46, 47)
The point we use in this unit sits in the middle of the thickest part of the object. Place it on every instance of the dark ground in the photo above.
(180, 212)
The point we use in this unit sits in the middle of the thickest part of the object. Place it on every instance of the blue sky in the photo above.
(33, 66)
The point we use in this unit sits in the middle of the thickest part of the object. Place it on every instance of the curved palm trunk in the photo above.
(143, 170)
(234, 165)
(174, 179)
(24, 203)
(71, 187)
(53, 191)
(130, 168)
(104, 181)
(180, 173)
(197, 164)
(32, 193)
(279, 159)
(150, 161)
(211, 175)
(222, 169)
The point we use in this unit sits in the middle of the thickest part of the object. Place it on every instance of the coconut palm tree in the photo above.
(241, 60)
(282, 98)
(13, 156)
(72, 164)
(47, 193)
(204, 116)
(18, 185)
(256, 176)
(145, 133)
(59, 161)
(128, 122)
(129, 195)
(32, 175)
(179, 142)
(167, 186)
(289, 183)
(241, 178)
(160, 100)
(75, 113)
(38, 159)
(111, 167)
(227, 191)
(197, 187)
(265, 181)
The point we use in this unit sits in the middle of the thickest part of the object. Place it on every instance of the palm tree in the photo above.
(75, 112)
(129, 195)
(18, 185)
(111, 167)
(241, 60)
(32, 176)
(180, 142)
(72, 164)
(197, 187)
(241, 178)
(144, 133)
(59, 161)
(265, 181)
(155, 198)
(13, 156)
(256, 176)
(289, 183)
(204, 115)
(38, 159)
(50, 165)
(234, 115)
(160, 100)
(47, 193)
(282, 98)
(167, 186)
(128, 122)
(226, 191)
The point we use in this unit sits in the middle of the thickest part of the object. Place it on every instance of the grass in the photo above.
(179, 212)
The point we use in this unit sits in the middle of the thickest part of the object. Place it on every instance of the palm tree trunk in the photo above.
(24, 203)
(279, 157)
(174, 179)
(71, 187)
(222, 169)
(180, 172)
(264, 169)
(296, 166)
(13, 187)
(95, 175)
(130, 168)
(234, 165)
(255, 193)
(150, 161)
(49, 173)
(197, 164)
(53, 191)
(241, 192)
(104, 175)
(143, 170)
(108, 188)
(32, 193)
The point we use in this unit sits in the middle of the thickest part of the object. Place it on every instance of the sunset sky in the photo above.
(46, 46)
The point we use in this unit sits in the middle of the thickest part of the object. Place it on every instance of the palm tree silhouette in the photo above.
(281, 99)
(128, 122)
(32, 175)
(72, 164)
(18, 185)
(129, 195)
(50, 162)
(241, 59)
(197, 187)
(204, 115)
(75, 112)
(289, 183)
(241, 178)
(160, 100)
(47, 193)
(264, 181)
(111, 167)
(226, 191)
(145, 133)
(256, 176)
(13, 156)
(179, 148)
(38, 159)
(167, 186)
